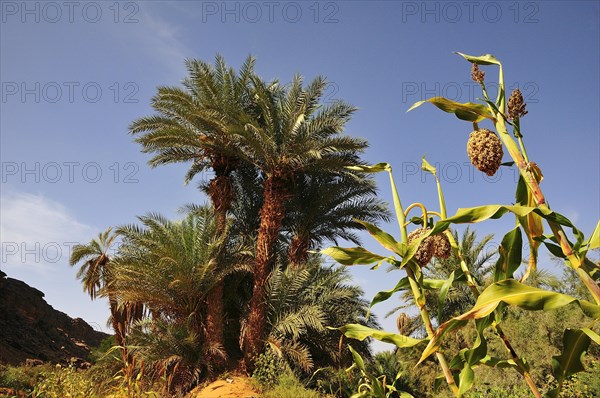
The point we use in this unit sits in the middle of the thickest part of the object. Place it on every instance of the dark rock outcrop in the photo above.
(31, 329)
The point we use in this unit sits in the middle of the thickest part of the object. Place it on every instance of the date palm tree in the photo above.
(325, 208)
(96, 275)
(172, 267)
(302, 302)
(290, 134)
(193, 124)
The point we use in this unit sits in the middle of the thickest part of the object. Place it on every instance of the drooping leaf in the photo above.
(562, 220)
(376, 168)
(482, 213)
(469, 357)
(361, 332)
(468, 111)
(478, 214)
(353, 256)
(465, 379)
(385, 239)
(487, 59)
(404, 284)
(554, 249)
(514, 293)
(569, 362)
(497, 362)
(357, 359)
(427, 167)
(510, 255)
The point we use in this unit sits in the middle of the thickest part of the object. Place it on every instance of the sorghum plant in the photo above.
(431, 236)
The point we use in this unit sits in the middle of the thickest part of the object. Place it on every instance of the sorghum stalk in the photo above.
(420, 301)
(473, 287)
(475, 291)
(540, 201)
(531, 181)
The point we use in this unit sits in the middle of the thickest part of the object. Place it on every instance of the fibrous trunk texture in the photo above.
(272, 214)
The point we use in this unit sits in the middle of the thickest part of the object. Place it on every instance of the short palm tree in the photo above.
(325, 208)
(289, 134)
(172, 267)
(302, 302)
(96, 275)
(193, 124)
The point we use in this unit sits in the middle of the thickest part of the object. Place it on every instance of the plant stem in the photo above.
(473, 287)
(420, 300)
(517, 133)
(523, 151)
(423, 209)
(533, 186)
(520, 364)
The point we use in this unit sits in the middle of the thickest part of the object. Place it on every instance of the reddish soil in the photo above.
(234, 387)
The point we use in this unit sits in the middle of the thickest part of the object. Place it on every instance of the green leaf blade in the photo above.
(352, 256)
(361, 332)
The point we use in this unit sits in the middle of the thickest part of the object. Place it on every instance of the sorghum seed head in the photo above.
(516, 105)
(403, 324)
(477, 75)
(485, 151)
(425, 250)
(441, 246)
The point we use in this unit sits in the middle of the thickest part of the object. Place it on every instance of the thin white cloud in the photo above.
(160, 40)
(37, 231)
(36, 234)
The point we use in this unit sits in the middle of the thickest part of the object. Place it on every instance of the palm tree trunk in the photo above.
(221, 195)
(298, 251)
(118, 324)
(272, 214)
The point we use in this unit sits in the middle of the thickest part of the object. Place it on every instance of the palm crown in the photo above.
(171, 266)
(94, 256)
(193, 124)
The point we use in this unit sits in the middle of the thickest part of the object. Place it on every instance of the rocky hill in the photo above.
(31, 329)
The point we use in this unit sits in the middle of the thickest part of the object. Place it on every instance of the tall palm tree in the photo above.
(173, 266)
(97, 277)
(326, 208)
(289, 134)
(194, 125)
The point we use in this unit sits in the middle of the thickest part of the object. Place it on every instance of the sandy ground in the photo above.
(238, 388)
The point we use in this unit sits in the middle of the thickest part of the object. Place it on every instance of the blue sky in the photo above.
(75, 75)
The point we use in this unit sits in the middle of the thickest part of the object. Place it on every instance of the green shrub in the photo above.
(585, 384)
(330, 380)
(100, 352)
(22, 378)
(65, 382)
(290, 387)
(268, 369)
(500, 392)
